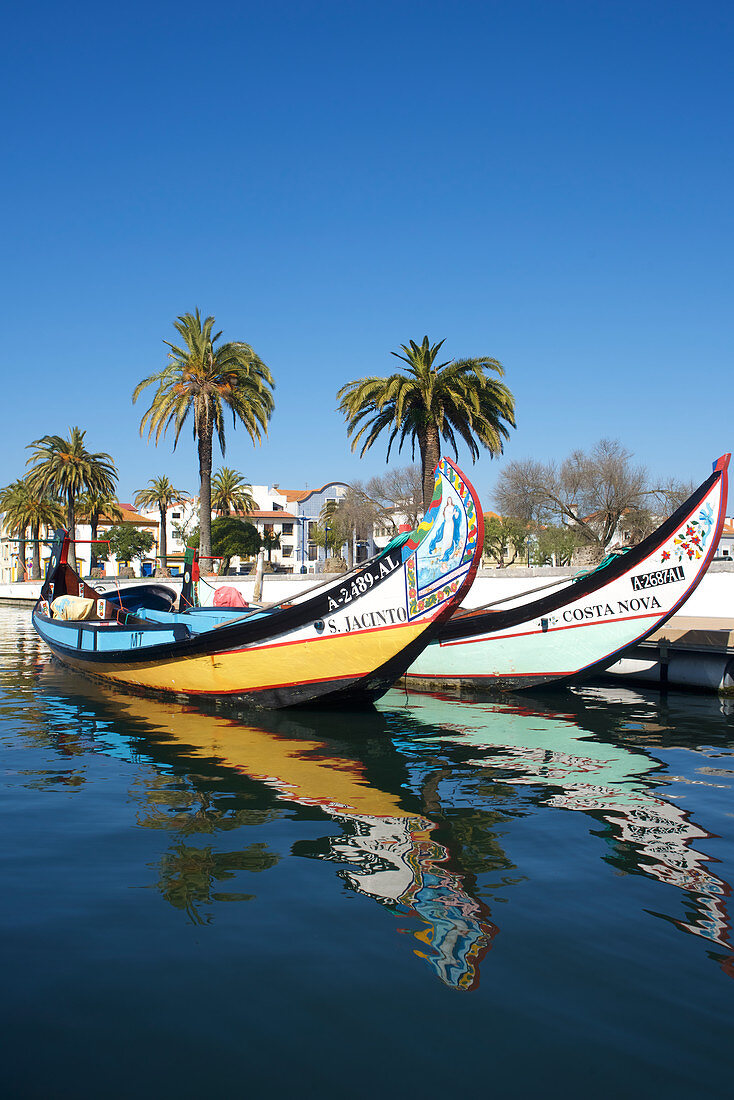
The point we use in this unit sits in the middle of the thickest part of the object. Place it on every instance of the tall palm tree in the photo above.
(231, 493)
(41, 511)
(66, 468)
(13, 501)
(95, 506)
(425, 402)
(160, 494)
(202, 379)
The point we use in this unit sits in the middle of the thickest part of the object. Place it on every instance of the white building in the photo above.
(291, 516)
(725, 549)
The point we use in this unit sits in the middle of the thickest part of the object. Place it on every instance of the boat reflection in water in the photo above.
(425, 792)
(613, 780)
(386, 852)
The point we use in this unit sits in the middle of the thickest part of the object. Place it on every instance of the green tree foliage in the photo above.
(555, 545)
(128, 543)
(424, 403)
(160, 494)
(231, 492)
(231, 538)
(202, 380)
(504, 533)
(66, 469)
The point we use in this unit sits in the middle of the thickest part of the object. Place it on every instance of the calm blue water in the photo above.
(436, 898)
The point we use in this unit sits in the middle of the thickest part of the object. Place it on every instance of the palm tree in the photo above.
(24, 508)
(270, 541)
(426, 402)
(95, 506)
(160, 494)
(41, 511)
(201, 379)
(64, 467)
(231, 493)
(13, 501)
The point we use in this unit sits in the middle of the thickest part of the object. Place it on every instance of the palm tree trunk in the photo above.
(21, 555)
(36, 560)
(71, 524)
(430, 449)
(205, 490)
(163, 540)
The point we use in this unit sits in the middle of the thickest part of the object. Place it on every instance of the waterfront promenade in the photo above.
(713, 599)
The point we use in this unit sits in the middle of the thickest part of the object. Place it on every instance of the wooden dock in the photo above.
(687, 652)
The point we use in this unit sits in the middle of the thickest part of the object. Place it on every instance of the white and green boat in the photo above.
(585, 622)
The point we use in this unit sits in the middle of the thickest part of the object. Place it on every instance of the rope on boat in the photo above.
(605, 561)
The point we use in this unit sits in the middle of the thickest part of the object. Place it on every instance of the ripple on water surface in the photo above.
(436, 895)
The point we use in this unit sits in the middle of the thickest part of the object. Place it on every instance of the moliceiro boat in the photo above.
(584, 625)
(346, 641)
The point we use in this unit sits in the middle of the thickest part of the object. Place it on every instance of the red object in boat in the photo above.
(227, 596)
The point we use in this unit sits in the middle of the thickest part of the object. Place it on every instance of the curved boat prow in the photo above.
(588, 622)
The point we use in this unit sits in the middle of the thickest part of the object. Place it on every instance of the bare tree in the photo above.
(670, 494)
(597, 494)
(399, 491)
(353, 517)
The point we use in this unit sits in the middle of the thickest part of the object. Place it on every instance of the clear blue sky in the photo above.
(548, 183)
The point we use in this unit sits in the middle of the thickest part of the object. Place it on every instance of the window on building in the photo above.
(175, 515)
(286, 551)
(277, 507)
(312, 528)
(287, 528)
(312, 552)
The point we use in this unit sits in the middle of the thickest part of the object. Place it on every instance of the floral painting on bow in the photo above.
(690, 541)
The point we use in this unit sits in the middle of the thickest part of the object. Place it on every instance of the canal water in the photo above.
(433, 898)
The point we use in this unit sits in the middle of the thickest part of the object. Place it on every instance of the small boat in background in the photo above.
(584, 625)
(345, 641)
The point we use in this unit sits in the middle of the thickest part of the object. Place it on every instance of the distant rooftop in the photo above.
(129, 515)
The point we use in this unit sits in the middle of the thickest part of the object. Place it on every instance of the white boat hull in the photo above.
(587, 623)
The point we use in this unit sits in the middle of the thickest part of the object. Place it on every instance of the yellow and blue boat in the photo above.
(346, 641)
